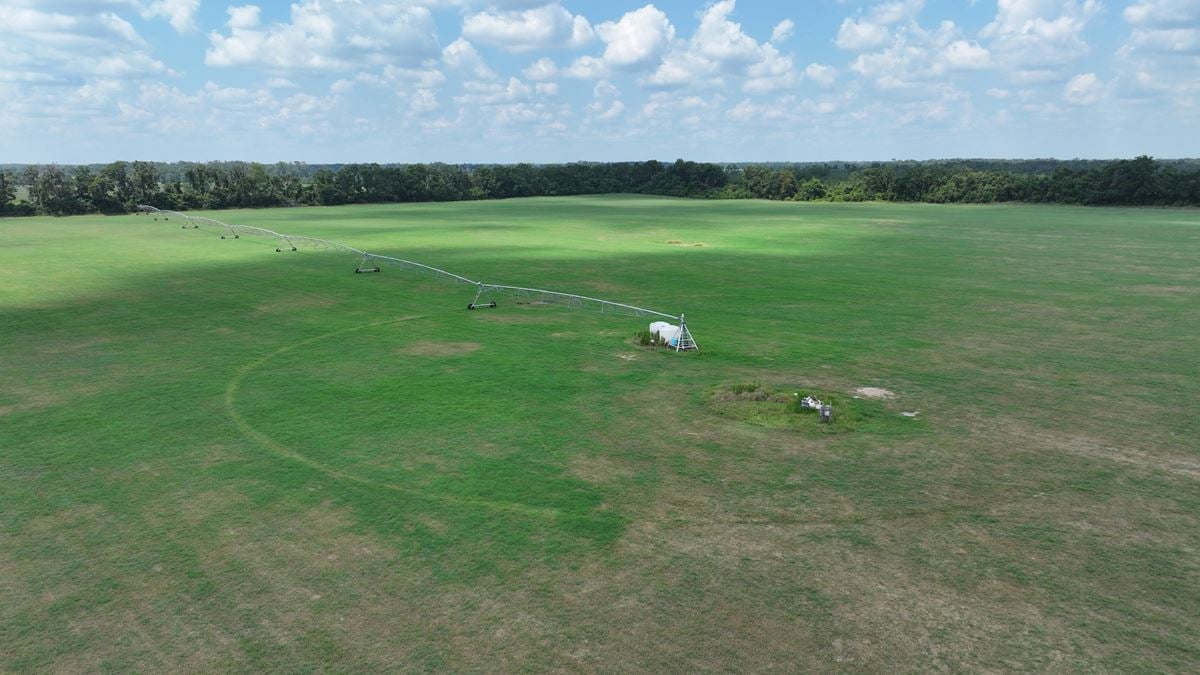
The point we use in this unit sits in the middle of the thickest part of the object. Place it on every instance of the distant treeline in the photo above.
(120, 186)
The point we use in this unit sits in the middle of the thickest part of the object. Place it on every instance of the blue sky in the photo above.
(526, 80)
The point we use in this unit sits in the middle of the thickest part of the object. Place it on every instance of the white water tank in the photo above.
(663, 328)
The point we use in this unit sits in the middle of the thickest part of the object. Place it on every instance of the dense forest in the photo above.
(120, 186)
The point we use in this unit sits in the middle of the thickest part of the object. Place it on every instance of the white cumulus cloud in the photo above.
(606, 104)
(872, 29)
(546, 27)
(337, 35)
(181, 14)
(721, 50)
(460, 56)
(1084, 89)
(637, 37)
(783, 31)
(1036, 39)
(541, 70)
(1161, 56)
(822, 74)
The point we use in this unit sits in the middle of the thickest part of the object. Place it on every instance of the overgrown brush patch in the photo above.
(782, 407)
(645, 338)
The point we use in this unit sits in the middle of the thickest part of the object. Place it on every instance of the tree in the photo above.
(29, 175)
(52, 193)
(811, 190)
(326, 190)
(122, 189)
(8, 192)
(1132, 182)
(144, 187)
(784, 185)
(81, 184)
(104, 194)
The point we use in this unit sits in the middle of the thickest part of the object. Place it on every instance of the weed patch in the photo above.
(783, 408)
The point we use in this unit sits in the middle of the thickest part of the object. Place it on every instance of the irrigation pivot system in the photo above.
(485, 293)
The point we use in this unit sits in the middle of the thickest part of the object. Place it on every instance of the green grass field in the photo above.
(218, 457)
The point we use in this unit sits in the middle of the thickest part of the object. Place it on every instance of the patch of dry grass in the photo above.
(439, 349)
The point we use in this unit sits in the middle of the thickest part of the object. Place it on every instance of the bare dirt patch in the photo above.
(874, 392)
(29, 399)
(439, 349)
(293, 302)
(607, 287)
(686, 244)
(1081, 445)
(1156, 289)
(599, 469)
(513, 317)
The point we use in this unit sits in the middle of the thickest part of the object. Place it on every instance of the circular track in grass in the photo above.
(286, 448)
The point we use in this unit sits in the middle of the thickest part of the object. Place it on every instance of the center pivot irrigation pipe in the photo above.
(370, 262)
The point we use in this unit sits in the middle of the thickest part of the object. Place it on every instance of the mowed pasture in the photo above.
(218, 457)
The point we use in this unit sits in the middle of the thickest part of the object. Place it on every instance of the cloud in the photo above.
(460, 56)
(181, 14)
(771, 71)
(721, 49)
(963, 55)
(857, 35)
(1084, 89)
(547, 27)
(1161, 13)
(67, 31)
(872, 30)
(783, 31)
(639, 36)
(588, 68)
(788, 111)
(1034, 40)
(821, 74)
(488, 93)
(424, 100)
(634, 41)
(1164, 26)
(130, 64)
(541, 70)
(606, 104)
(38, 44)
(330, 35)
(1159, 59)
(403, 79)
(915, 56)
(719, 39)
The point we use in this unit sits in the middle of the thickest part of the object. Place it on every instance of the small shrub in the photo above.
(745, 388)
(647, 339)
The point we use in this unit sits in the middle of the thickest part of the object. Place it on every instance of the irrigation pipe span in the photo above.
(370, 262)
